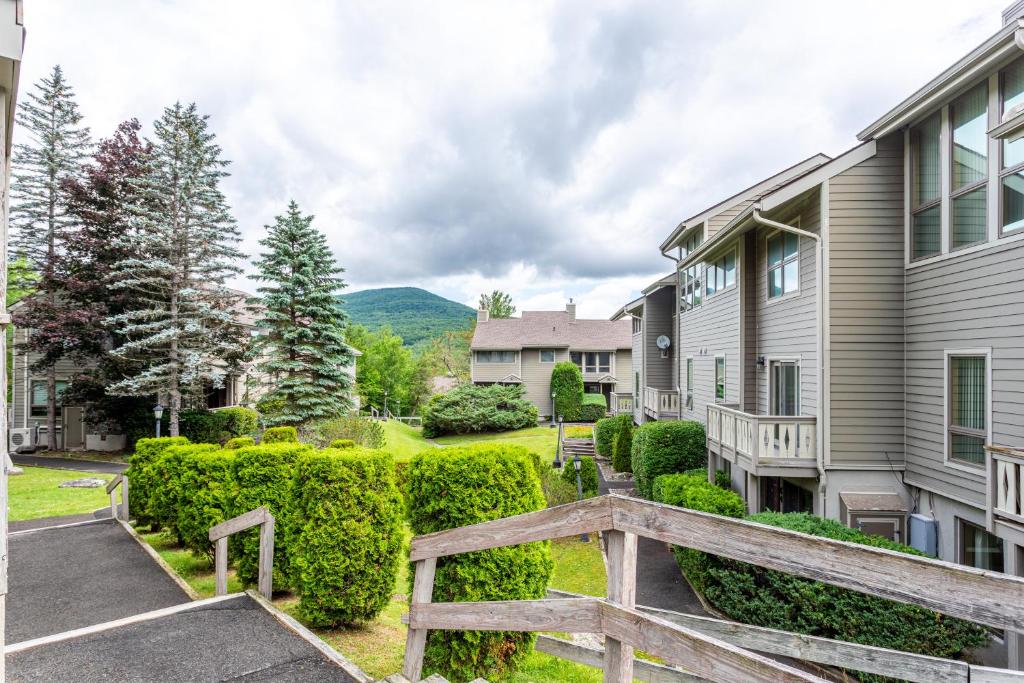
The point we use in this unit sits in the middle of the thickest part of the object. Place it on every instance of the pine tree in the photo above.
(179, 332)
(303, 351)
(41, 227)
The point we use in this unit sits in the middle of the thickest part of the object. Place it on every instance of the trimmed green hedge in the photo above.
(343, 443)
(239, 421)
(605, 430)
(594, 407)
(239, 442)
(567, 386)
(280, 435)
(471, 408)
(217, 426)
(588, 475)
(263, 476)
(666, 448)
(345, 535)
(457, 486)
(622, 445)
(141, 475)
(205, 495)
(166, 492)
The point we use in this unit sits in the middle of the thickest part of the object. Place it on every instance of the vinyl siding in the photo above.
(658, 317)
(537, 377)
(722, 219)
(866, 326)
(714, 326)
(494, 372)
(971, 301)
(21, 381)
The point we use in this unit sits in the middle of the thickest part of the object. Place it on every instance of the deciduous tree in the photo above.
(498, 304)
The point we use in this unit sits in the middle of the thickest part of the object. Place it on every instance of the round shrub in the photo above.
(567, 386)
(459, 486)
(666, 448)
(471, 408)
(238, 421)
(622, 445)
(763, 597)
(345, 535)
(588, 476)
(205, 494)
(262, 476)
(343, 443)
(166, 492)
(280, 435)
(141, 475)
(239, 442)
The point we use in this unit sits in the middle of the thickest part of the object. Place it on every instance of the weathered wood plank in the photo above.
(620, 548)
(416, 638)
(648, 672)
(112, 484)
(702, 655)
(981, 596)
(124, 499)
(984, 674)
(220, 562)
(577, 615)
(593, 514)
(266, 560)
(240, 523)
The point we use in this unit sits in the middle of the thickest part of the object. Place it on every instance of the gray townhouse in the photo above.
(851, 331)
(524, 350)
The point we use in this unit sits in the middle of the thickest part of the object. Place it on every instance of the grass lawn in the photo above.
(101, 456)
(540, 440)
(577, 432)
(36, 494)
(403, 441)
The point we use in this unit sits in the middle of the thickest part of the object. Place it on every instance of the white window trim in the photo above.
(725, 379)
(799, 360)
(554, 356)
(768, 299)
(689, 384)
(946, 355)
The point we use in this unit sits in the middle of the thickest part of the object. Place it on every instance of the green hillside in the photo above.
(414, 314)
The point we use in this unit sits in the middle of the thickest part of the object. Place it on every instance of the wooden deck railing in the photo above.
(661, 403)
(219, 535)
(981, 596)
(776, 438)
(122, 481)
(1006, 484)
(622, 403)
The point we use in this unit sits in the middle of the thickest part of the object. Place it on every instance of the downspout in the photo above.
(675, 315)
(819, 282)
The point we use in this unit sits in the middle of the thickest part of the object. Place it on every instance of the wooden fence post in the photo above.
(266, 574)
(621, 562)
(220, 562)
(416, 640)
(124, 499)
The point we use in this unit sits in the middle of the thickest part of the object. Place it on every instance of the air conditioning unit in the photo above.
(23, 440)
(924, 534)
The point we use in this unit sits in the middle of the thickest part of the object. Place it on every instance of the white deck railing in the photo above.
(661, 403)
(1006, 482)
(622, 403)
(761, 437)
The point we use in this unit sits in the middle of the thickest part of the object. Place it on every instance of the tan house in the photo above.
(524, 351)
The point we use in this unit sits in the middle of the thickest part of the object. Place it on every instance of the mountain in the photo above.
(414, 314)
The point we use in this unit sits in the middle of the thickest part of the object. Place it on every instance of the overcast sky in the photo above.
(544, 148)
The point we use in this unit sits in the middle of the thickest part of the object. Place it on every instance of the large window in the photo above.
(592, 361)
(969, 121)
(1011, 175)
(689, 384)
(783, 264)
(38, 407)
(689, 287)
(692, 242)
(926, 225)
(979, 548)
(720, 378)
(721, 274)
(638, 324)
(784, 387)
(968, 408)
(495, 356)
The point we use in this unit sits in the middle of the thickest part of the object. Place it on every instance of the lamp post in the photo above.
(558, 448)
(385, 405)
(158, 412)
(578, 463)
(553, 395)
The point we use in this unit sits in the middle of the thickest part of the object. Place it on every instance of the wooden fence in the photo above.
(706, 648)
(219, 534)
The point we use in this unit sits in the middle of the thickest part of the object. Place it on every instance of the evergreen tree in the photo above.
(178, 329)
(498, 304)
(41, 227)
(303, 352)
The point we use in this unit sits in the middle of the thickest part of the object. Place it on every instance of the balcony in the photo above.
(622, 403)
(1006, 485)
(661, 404)
(764, 445)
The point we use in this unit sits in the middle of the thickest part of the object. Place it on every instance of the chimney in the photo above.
(570, 308)
(1013, 12)
(482, 315)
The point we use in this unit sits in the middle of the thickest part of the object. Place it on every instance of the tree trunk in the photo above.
(174, 391)
(51, 408)
(51, 257)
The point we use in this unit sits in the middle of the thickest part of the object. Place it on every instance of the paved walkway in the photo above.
(46, 522)
(69, 463)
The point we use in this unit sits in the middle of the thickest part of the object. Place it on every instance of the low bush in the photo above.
(723, 479)
(343, 443)
(471, 408)
(764, 597)
(238, 421)
(217, 426)
(588, 476)
(345, 535)
(364, 431)
(141, 475)
(622, 445)
(280, 435)
(262, 476)
(167, 492)
(205, 495)
(567, 386)
(239, 442)
(458, 486)
(593, 408)
(557, 491)
(605, 430)
(666, 448)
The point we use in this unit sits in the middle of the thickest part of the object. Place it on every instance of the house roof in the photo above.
(552, 329)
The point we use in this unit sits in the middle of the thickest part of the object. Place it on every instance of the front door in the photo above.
(784, 387)
(74, 434)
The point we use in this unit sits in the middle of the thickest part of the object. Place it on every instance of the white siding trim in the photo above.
(945, 177)
(824, 408)
(946, 354)
(992, 186)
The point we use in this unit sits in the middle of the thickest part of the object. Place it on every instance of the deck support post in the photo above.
(620, 547)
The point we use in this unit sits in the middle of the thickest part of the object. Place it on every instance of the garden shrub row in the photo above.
(468, 485)
(217, 426)
(593, 407)
(762, 597)
(471, 408)
(666, 448)
(588, 476)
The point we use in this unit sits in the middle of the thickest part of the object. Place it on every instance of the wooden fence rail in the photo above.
(122, 481)
(219, 535)
(711, 649)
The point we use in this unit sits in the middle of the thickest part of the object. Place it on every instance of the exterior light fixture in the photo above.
(158, 413)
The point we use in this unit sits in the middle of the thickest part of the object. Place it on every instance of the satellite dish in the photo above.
(663, 342)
